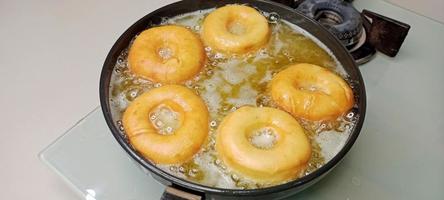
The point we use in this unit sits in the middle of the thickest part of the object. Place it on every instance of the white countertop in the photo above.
(51, 55)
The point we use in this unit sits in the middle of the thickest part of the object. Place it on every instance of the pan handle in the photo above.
(171, 193)
(385, 34)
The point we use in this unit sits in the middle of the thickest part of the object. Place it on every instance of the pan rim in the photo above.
(106, 109)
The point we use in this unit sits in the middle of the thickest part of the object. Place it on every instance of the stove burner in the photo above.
(362, 34)
(339, 17)
(359, 41)
(344, 22)
(363, 51)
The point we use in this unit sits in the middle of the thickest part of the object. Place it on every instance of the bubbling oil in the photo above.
(228, 82)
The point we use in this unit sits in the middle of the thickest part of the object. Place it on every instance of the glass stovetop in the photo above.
(398, 155)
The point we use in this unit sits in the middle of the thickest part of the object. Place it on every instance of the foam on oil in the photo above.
(229, 82)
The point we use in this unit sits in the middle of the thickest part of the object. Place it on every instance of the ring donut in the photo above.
(166, 54)
(235, 29)
(180, 144)
(311, 92)
(283, 160)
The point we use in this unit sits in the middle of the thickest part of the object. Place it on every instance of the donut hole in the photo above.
(236, 27)
(165, 53)
(263, 138)
(164, 119)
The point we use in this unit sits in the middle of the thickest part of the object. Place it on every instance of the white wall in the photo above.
(431, 8)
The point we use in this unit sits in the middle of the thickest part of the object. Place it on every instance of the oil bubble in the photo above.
(213, 123)
(234, 177)
(218, 56)
(132, 93)
(182, 169)
(274, 18)
(350, 115)
(173, 168)
(217, 162)
(169, 129)
(120, 60)
(153, 117)
(189, 84)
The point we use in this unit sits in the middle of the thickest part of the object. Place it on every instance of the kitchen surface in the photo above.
(51, 56)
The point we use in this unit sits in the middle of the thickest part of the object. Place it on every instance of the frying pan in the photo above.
(179, 188)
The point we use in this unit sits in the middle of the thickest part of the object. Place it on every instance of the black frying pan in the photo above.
(178, 185)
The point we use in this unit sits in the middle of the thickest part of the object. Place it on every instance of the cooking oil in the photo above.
(228, 82)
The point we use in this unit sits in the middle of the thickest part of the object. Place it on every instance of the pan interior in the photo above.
(227, 83)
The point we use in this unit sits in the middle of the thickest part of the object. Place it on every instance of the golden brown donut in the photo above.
(282, 161)
(311, 92)
(167, 54)
(235, 29)
(182, 143)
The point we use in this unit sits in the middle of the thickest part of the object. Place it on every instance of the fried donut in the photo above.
(235, 29)
(175, 146)
(282, 159)
(166, 54)
(311, 92)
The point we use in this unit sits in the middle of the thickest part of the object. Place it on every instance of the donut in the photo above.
(311, 92)
(235, 29)
(188, 115)
(281, 160)
(166, 54)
